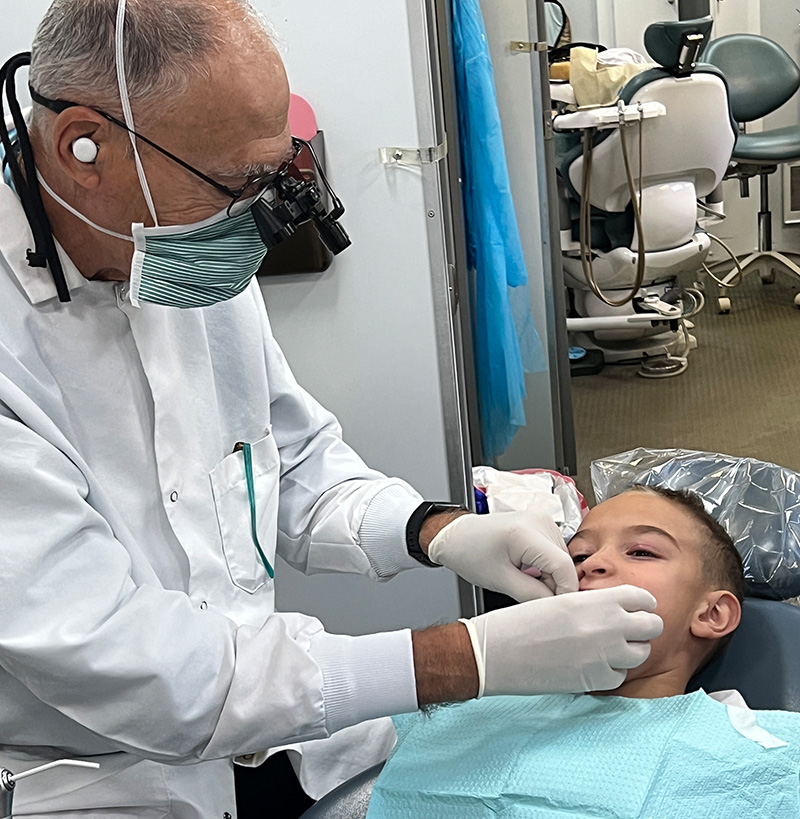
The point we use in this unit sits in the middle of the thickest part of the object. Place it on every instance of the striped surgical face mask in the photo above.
(195, 265)
(188, 265)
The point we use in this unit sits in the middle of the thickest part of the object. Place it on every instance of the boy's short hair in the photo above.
(722, 563)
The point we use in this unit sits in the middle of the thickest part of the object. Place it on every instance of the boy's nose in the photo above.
(593, 566)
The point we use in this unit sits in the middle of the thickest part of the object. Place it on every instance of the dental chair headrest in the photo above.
(762, 661)
(677, 44)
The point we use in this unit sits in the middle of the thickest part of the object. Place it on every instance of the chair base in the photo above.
(667, 345)
(767, 262)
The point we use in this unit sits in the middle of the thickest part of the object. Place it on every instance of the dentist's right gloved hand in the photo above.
(583, 641)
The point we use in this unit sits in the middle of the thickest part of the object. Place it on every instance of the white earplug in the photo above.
(84, 150)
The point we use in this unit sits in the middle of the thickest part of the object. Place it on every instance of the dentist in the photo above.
(156, 453)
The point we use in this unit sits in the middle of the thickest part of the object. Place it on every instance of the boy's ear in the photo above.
(718, 614)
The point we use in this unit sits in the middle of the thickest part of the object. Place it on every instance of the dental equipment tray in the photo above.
(611, 116)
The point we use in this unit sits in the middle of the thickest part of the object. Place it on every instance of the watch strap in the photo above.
(414, 526)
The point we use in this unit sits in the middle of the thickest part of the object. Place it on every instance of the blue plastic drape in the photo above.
(506, 344)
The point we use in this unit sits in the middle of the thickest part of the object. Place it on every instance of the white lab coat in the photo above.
(137, 621)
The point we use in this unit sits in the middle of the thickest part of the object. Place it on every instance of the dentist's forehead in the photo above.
(236, 116)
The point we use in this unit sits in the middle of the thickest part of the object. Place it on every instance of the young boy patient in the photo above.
(664, 541)
(646, 749)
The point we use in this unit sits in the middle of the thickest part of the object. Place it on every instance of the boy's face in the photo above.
(644, 540)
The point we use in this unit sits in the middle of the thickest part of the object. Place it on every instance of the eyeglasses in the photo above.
(242, 198)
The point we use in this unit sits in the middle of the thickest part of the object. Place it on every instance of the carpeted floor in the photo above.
(740, 394)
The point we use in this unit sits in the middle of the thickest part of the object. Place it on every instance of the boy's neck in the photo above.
(667, 683)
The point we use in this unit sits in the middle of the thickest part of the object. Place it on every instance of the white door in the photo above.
(363, 336)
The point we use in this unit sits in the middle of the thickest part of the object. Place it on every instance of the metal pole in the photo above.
(6, 793)
(692, 9)
(556, 308)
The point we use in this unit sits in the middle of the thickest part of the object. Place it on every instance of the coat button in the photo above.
(173, 496)
(203, 606)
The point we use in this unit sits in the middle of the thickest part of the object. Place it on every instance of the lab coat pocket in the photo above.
(234, 506)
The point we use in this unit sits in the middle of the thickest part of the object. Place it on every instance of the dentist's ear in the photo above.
(78, 136)
(718, 615)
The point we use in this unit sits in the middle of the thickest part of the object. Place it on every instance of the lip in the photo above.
(595, 586)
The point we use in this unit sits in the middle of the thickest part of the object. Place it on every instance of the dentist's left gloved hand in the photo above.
(492, 550)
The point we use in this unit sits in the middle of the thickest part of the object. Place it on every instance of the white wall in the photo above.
(780, 22)
(583, 20)
(18, 23)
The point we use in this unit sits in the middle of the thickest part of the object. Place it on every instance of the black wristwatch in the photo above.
(415, 524)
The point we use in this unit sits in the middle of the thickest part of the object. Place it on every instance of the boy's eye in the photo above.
(639, 552)
(576, 559)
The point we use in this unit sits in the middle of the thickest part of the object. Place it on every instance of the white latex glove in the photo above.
(490, 551)
(566, 644)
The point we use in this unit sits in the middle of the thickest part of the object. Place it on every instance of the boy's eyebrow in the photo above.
(643, 529)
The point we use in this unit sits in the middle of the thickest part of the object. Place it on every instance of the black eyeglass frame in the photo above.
(264, 180)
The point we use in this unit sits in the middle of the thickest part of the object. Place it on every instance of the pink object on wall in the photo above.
(302, 122)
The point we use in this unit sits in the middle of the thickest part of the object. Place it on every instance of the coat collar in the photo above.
(15, 241)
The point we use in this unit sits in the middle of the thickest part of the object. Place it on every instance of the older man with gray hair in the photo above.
(156, 451)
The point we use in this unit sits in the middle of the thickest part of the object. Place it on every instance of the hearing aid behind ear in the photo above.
(84, 150)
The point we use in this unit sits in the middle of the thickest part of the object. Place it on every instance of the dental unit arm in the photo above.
(8, 780)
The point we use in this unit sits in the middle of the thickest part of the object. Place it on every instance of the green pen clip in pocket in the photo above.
(246, 487)
(247, 452)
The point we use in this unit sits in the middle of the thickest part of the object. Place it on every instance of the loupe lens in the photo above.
(332, 234)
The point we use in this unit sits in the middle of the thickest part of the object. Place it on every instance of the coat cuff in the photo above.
(382, 534)
(365, 677)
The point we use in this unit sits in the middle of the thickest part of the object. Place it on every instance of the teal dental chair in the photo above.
(762, 661)
(761, 77)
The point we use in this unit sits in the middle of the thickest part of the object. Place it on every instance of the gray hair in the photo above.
(168, 44)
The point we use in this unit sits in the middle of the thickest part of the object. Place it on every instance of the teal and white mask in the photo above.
(195, 265)
(188, 265)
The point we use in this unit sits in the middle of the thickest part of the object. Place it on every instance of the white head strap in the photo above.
(126, 105)
(77, 213)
